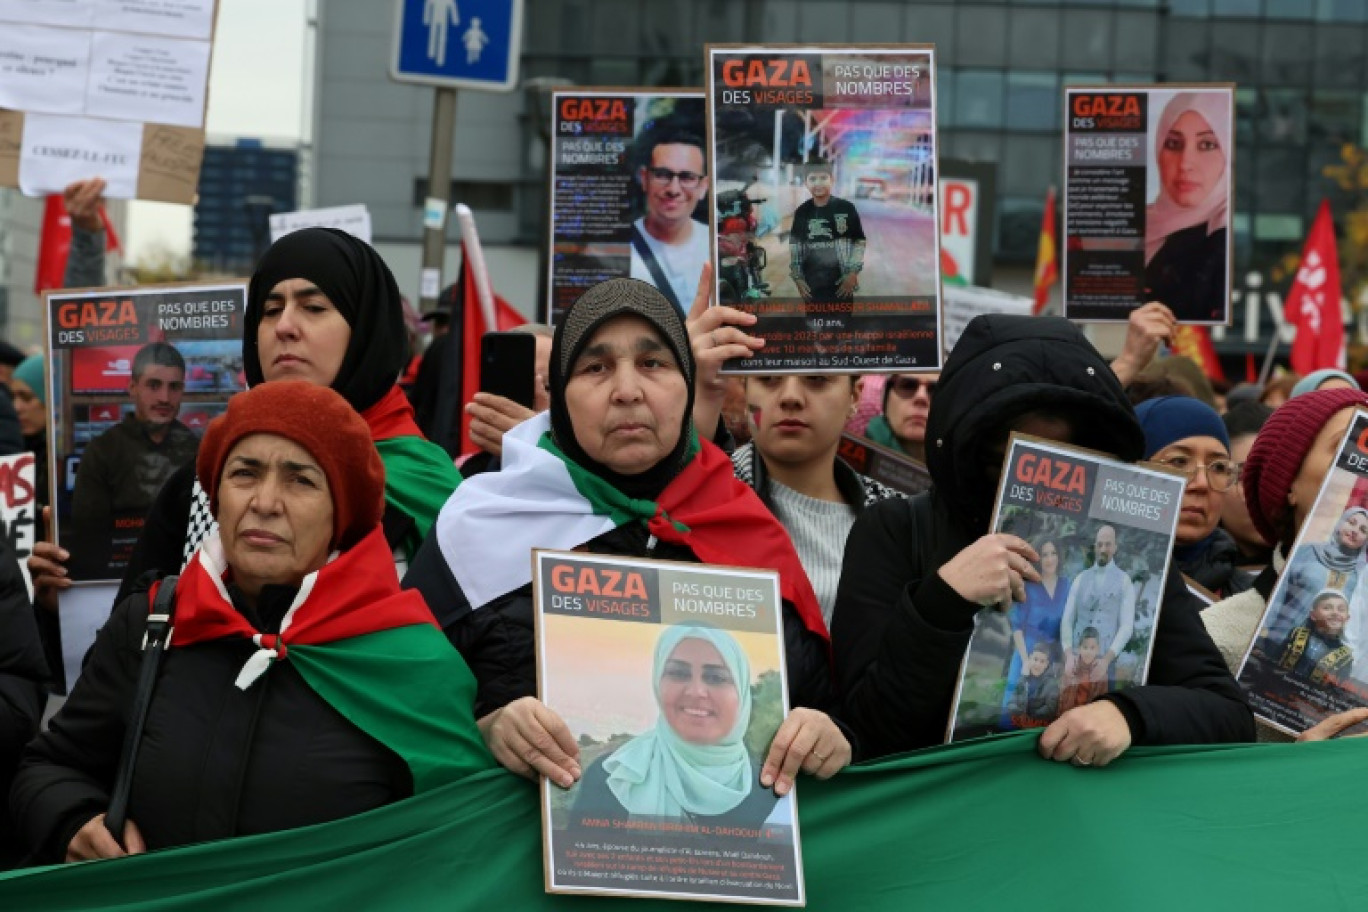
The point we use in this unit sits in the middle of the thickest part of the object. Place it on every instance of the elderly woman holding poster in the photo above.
(694, 762)
(615, 467)
(291, 646)
(1186, 235)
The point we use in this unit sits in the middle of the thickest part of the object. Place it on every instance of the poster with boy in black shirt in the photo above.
(826, 241)
(824, 174)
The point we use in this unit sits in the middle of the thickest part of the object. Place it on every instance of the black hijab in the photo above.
(601, 303)
(361, 287)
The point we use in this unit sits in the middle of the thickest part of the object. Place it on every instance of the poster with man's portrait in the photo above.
(1147, 201)
(671, 678)
(1102, 531)
(134, 377)
(1310, 657)
(629, 192)
(824, 166)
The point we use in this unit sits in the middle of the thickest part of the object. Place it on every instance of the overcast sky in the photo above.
(256, 88)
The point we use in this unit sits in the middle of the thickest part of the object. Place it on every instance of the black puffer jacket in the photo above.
(900, 632)
(215, 761)
(1214, 564)
(497, 640)
(22, 695)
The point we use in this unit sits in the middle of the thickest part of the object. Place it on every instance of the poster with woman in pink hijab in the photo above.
(1149, 171)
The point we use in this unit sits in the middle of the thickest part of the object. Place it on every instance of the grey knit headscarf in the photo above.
(601, 303)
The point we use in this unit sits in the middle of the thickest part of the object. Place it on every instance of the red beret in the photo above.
(320, 421)
(1280, 449)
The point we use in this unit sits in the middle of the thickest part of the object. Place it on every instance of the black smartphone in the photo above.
(508, 364)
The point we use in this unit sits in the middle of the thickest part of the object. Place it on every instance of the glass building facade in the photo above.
(1299, 66)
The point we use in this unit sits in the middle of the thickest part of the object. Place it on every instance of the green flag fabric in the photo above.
(984, 825)
(419, 477)
(429, 722)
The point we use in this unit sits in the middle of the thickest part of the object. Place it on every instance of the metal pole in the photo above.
(439, 191)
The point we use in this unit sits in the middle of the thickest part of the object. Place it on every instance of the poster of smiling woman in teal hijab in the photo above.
(671, 678)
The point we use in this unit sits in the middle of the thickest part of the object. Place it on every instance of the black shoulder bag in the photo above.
(155, 640)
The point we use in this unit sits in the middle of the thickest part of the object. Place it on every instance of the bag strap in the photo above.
(648, 256)
(155, 640)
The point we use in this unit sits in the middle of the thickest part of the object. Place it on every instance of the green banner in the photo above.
(985, 825)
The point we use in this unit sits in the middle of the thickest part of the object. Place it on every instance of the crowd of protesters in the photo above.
(316, 521)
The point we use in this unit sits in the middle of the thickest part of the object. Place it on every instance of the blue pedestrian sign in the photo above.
(467, 44)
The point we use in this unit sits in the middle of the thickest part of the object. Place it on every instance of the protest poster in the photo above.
(1309, 659)
(355, 220)
(1104, 532)
(671, 678)
(105, 88)
(823, 162)
(134, 376)
(886, 466)
(19, 508)
(1147, 194)
(629, 192)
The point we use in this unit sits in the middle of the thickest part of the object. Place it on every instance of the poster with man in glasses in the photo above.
(629, 192)
(823, 161)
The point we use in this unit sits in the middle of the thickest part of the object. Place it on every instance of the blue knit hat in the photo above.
(30, 370)
(1313, 380)
(1168, 419)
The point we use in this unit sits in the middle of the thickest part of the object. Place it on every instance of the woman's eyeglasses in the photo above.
(908, 387)
(1222, 474)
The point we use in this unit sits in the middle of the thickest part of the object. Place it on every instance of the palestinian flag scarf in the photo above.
(372, 651)
(542, 499)
(419, 475)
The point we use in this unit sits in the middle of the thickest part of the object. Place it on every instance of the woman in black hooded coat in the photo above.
(900, 628)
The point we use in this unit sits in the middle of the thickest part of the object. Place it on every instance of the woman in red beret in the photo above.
(291, 642)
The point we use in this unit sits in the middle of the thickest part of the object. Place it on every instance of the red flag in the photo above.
(55, 244)
(1047, 263)
(472, 330)
(1313, 303)
(1194, 342)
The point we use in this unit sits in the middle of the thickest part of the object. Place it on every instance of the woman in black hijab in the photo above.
(308, 276)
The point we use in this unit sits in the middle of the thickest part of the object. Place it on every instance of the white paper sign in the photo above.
(77, 13)
(177, 18)
(964, 302)
(43, 69)
(355, 220)
(137, 77)
(83, 611)
(430, 283)
(59, 150)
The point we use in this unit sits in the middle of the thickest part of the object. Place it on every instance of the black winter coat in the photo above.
(22, 695)
(900, 631)
(498, 644)
(214, 761)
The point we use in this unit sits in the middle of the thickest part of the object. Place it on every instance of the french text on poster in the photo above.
(1309, 659)
(1147, 196)
(824, 168)
(354, 219)
(104, 88)
(629, 192)
(1103, 532)
(671, 678)
(135, 375)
